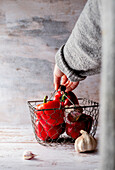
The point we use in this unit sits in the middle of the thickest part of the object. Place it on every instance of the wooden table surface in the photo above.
(14, 140)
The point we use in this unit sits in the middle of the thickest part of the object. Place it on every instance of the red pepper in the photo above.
(46, 132)
(58, 95)
(74, 126)
(50, 120)
(53, 131)
(50, 112)
(62, 97)
(40, 132)
(72, 98)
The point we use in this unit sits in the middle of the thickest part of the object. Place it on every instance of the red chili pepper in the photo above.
(73, 126)
(65, 100)
(50, 112)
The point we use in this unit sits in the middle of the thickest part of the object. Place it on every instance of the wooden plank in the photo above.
(15, 140)
(48, 158)
(17, 134)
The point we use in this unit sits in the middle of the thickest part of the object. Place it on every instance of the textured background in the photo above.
(31, 31)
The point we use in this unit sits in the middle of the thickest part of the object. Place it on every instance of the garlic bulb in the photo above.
(27, 155)
(85, 142)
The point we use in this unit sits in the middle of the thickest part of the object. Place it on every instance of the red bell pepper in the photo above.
(50, 112)
(46, 132)
(58, 95)
(69, 100)
(50, 120)
(40, 132)
(74, 125)
(53, 131)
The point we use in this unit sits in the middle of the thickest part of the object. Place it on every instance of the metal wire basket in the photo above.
(89, 107)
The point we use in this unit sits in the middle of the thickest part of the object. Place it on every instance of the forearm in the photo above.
(81, 55)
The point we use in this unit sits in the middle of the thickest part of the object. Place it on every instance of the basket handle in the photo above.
(63, 88)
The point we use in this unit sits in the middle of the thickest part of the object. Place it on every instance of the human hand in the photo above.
(61, 78)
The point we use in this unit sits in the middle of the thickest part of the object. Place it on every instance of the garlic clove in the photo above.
(28, 155)
(85, 142)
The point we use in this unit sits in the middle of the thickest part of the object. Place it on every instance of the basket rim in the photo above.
(96, 104)
(89, 104)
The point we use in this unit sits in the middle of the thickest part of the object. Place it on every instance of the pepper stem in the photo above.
(45, 99)
(63, 97)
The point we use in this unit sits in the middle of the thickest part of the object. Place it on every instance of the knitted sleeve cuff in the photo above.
(72, 75)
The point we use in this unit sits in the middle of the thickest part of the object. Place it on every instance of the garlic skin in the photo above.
(85, 142)
(28, 155)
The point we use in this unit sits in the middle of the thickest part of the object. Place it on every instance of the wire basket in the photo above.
(48, 134)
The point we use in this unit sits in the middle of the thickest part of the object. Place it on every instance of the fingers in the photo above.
(57, 77)
(71, 86)
(60, 77)
(64, 79)
(68, 83)
(56, 82)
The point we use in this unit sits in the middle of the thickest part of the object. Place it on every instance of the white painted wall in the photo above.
(31, 31)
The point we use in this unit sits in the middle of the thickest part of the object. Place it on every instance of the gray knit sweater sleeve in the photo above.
(81, 55)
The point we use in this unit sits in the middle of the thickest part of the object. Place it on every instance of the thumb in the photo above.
(57, 77)
(56, 82)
